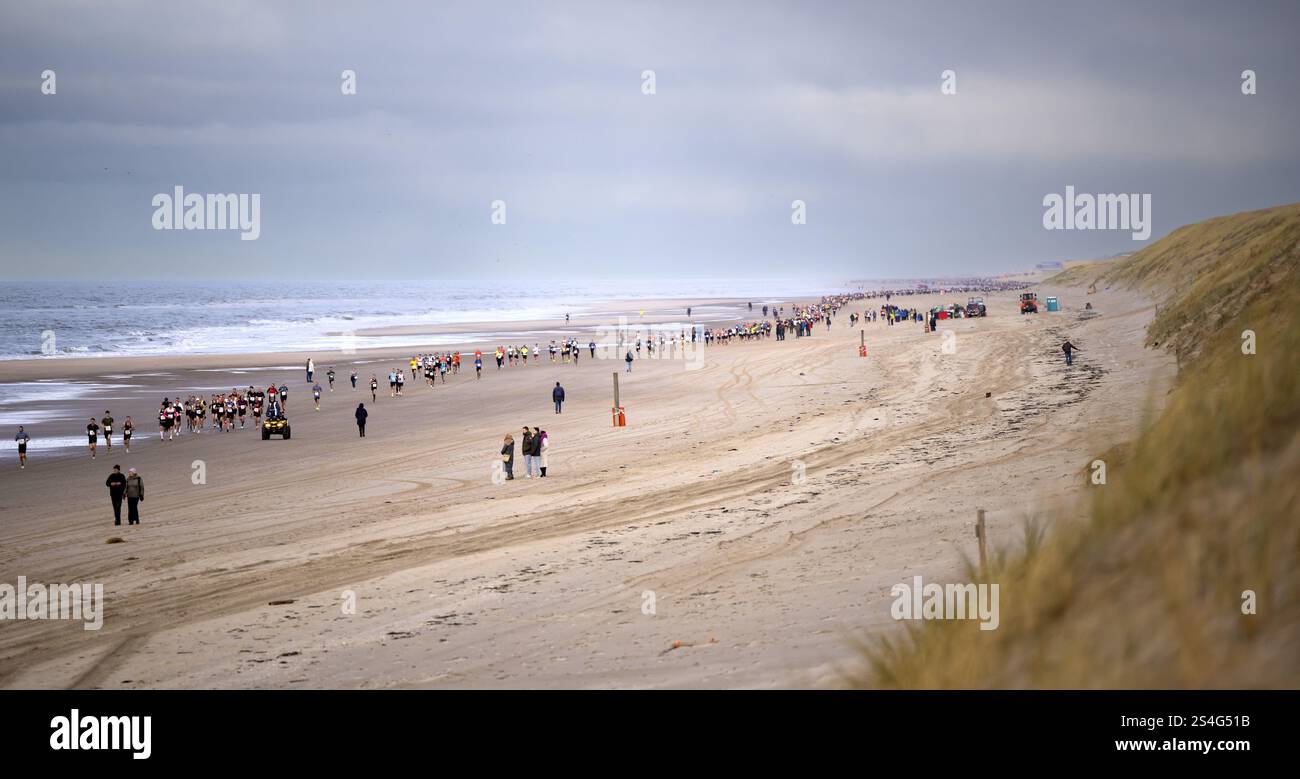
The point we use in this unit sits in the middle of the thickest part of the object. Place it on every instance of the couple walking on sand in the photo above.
(131, 487)
(534, 447)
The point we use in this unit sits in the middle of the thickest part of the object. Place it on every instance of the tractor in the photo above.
(1029, 302)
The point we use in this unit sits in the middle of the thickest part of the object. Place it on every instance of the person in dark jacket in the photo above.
(526, 449)
(1069, 350)
(361, 418)
(536, 442)
(557, 395)
(508, 456)
(134, 496)
(116, 483)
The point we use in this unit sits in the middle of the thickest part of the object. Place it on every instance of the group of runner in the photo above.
(567, 351)
(221, 411)
(989, 286)
(746, 331)
(93, 431)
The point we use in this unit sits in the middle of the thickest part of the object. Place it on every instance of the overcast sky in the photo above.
(541, 105)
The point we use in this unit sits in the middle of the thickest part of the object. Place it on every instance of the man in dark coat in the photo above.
(526, 449)
(116, 483)
(1069, 350)
(557, 395)
(361, 418)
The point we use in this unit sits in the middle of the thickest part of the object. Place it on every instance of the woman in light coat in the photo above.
(546, 445)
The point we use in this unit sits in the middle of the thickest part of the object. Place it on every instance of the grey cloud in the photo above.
(539, 104)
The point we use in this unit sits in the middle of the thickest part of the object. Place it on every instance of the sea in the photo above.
(54, 319)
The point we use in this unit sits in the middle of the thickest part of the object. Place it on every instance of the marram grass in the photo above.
(1147, 591)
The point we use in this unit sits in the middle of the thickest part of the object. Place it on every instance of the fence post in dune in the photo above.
(981, 533)
(619, 419)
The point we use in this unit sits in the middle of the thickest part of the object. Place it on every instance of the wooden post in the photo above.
(615, 391)
(981, 533)
(862, 339)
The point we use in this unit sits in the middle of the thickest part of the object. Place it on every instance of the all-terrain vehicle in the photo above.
(1029, 302)
(275, 425)
(975, 307)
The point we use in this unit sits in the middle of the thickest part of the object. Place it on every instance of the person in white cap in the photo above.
(134, 496)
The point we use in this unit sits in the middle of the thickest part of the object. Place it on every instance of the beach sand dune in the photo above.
(742, 531)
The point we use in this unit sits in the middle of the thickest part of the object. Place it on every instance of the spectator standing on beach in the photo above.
(134, 496)
(542, 446)
(537, 449)
(311, 368)
(557, 395)
(526, 449)
(116, 484)
(361, 418)
(508, 456)
(22, 438)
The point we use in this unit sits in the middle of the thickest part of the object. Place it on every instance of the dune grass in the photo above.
(1148, 590)
(1080, 273)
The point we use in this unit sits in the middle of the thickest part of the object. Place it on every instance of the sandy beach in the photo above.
(743, 530)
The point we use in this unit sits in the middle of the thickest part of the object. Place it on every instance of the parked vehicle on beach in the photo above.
(975, 307)
(1029, 302)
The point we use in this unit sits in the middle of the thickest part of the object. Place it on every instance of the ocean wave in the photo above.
(166, 318)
